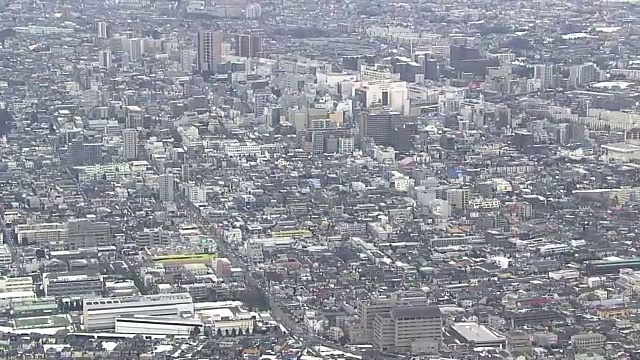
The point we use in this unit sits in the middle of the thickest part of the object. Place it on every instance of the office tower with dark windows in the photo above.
(378, 126)
(248, 45)
(431, 69)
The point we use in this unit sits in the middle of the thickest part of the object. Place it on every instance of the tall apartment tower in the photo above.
(101, 30)
(135, 48)
(130, 140)
(105, 59)
(186, 60)
(165, 187)
(209, 49)
(544, 72)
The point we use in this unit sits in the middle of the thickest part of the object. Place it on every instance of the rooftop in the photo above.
(473, 332)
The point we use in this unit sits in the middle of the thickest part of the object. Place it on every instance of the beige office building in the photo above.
(369, 309)
(409, 329)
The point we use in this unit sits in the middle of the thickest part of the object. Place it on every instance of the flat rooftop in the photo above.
(621, 147)
(473, 332)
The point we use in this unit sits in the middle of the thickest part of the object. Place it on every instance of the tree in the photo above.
(195, 332)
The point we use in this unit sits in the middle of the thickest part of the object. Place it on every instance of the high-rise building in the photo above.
(165, 187)
(186, 60)
(248, 45)
(385, 92)
(431, 69)
(378, 126)
(105, 59)
(209, 50)
(102, 30)
(186, 172)
(253, 11)
(260, 102)
(130, 140)
(135, 48)
(544, 73)
(583, 74)
(134, 117)
(459, 198)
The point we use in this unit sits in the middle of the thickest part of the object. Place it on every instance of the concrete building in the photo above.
(186, 60)
(209, 48)
(369, 309)
(102, 30)
(477, 335)
(248, 45)
(80, 152)
(459, 198)
(519, 342)
(134, 47)
(391, 94)
(11, 284)
(105, 59)
(5, 255)
(165, 187)
(85, 233)
(102, 313)
(415, 329)
(591, 341)
(44, 233)
(130, 144)
(71, 284)
(150, 238)
(226, 318)
(621, 151)
(544, 73)
(583, 74)
(378, 126)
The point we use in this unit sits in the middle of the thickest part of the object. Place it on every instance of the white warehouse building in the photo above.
(102, 313)
(160, 325)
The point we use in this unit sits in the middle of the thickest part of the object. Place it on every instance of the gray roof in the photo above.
(416, 311)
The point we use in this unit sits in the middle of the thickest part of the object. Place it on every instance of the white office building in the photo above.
(102, 313)
(41, 233)
(11, 284)
(101, 28)
(5, 255)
